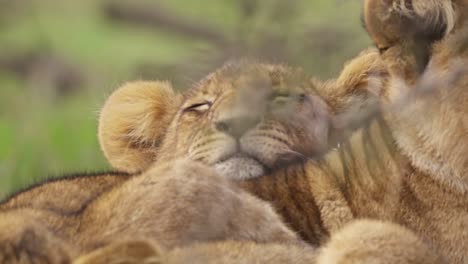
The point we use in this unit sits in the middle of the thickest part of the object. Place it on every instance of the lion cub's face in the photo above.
(243, 120)
(247, 119)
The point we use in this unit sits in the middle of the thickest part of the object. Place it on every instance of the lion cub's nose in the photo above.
(237, 126)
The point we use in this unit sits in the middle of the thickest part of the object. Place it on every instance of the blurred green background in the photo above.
(59, 60)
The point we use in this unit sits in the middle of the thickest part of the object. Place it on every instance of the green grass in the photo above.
(41, 136)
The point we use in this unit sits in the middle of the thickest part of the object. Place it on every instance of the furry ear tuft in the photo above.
(359, 72)
(362, 76)
(133, 123)
(354, 97)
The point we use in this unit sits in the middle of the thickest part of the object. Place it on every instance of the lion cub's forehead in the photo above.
(233, 77)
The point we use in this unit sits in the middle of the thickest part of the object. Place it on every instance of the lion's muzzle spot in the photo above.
(240, 167)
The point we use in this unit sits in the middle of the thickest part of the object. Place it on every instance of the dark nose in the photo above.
(237, 126)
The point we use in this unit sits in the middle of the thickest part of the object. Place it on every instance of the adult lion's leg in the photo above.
(25, 240)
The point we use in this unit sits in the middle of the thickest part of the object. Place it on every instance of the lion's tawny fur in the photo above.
(407, 173)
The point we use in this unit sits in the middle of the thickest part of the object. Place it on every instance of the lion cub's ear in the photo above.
(354, 97)
(133, 123)
(362, 76)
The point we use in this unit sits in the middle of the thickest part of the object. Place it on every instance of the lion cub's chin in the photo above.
(240, 168)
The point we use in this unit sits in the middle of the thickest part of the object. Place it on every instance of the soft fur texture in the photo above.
(251, 128)
(163, 213)
(139, 142)
(406, 165)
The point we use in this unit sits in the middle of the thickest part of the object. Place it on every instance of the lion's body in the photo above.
(368, 177)
(387, 185)
(175, 203)
(195, 205)
(185, 203)
(270, 131)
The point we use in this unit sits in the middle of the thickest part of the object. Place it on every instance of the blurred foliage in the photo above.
(60, 59)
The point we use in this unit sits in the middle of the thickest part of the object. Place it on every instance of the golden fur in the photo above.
(163, 211)
(85, 213)
(42, 228)
(359, 242)
(442, 75)
(319, 200)
(406, 173)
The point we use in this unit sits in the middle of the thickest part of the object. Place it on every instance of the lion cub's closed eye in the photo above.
(198, 107)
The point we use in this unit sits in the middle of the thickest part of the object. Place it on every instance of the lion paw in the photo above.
(126, 252)
(26, 243)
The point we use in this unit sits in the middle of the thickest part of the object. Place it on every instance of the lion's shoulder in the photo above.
(65, 194)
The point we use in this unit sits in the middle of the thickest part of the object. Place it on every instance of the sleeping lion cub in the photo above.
(246, 124)
(318, 154)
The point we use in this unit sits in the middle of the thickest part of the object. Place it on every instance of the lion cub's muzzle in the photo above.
(237, 126)
(275, 131)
